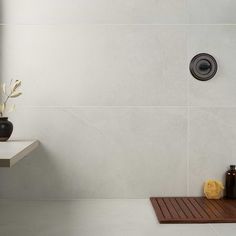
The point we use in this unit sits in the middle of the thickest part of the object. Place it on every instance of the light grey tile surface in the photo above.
(211, 11)
(219, 41)
(97, 65)
(99, 153)
(225, 229)
(93, 11)
(105, 53)
(212, 145)
(89, 218)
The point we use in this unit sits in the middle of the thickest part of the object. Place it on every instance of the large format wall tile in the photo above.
(97, 65)
(212, 11)
(93, 11)
(212, 144)
(91, 217)
(118, 12)
(225, 229)
(219, 41)
(93, 153)
(104, 53)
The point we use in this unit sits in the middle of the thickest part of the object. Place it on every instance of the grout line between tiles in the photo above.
(215, 231)
(147, 199)
(188, 128)
(187, 107)
(102, 106)
(188, 150)
(117, 24)
(187, 8)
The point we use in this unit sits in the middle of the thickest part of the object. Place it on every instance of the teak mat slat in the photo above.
(194, 210)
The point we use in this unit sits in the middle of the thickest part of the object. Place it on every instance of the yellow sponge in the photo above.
(213, 189)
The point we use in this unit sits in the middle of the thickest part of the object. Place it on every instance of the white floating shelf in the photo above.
(13, 151)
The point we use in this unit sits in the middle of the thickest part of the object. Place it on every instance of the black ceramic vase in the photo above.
(6, 128)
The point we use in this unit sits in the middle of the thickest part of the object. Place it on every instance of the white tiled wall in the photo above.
(220, 41)
(212, 143)
(94, 11)
(108, 93)
(100, 152)
(84, 65)
(211, 11)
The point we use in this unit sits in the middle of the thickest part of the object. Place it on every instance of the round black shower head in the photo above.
(203, 66)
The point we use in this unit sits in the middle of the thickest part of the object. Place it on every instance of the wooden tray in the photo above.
(194, 210)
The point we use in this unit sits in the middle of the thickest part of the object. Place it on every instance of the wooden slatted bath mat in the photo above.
(194, 210)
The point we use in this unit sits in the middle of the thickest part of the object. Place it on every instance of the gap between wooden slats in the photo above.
(204, 205)
(219, 209)
(192, 208)
(157, 209)
(178, 208)
(184, 207)
(205, 208)
(228, 208)
(171, 208)
(198, 208)
(164, 208)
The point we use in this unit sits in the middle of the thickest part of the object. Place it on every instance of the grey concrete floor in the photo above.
(100, 217)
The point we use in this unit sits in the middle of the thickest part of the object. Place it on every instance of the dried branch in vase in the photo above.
(8, 92)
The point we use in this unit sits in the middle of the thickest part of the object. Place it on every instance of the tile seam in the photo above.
(115, 24)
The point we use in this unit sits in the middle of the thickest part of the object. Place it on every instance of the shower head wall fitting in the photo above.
(203, 66)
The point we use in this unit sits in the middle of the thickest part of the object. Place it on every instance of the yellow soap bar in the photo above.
(213, 189)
